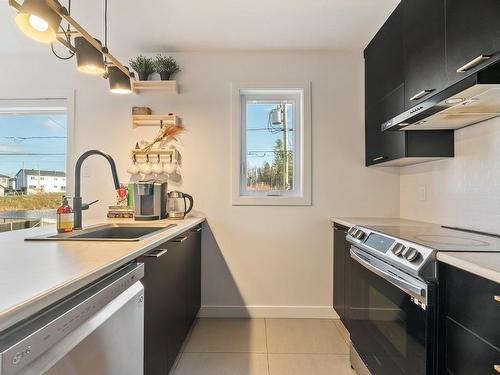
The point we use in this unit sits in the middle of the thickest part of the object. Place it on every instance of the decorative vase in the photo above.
(165, 76)
(143, 76)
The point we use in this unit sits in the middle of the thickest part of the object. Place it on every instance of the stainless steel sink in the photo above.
(106, 232)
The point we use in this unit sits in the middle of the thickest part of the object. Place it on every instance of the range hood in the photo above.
(472, 100)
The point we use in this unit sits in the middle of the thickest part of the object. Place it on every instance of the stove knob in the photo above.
(359, 234)
(398, 249)
(411, 254)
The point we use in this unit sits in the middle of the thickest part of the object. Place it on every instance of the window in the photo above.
(271, 145)
(33, 146)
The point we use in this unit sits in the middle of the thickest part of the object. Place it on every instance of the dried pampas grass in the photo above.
(167, 133)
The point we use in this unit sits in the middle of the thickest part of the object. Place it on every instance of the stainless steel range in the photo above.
(391, 310)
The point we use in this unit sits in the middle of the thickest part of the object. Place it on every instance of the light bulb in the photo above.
(38, 23)
(120, 91)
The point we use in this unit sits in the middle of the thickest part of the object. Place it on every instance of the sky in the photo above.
(259, 138)
(44, 135)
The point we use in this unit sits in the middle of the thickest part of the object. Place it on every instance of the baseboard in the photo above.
(313, 312)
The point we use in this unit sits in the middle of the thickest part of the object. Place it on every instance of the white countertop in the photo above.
(478, 262)
(377, 221)
(35, 274)
(486, 265)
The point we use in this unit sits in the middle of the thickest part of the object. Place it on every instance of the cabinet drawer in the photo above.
(467, 354)
(470, 300)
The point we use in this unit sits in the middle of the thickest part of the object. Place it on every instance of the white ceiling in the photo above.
(187, 25)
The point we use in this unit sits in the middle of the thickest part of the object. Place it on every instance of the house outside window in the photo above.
(271, 153)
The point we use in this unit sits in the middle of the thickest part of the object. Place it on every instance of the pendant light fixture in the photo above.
(38, 21)
(41, 21)
(119, 82)
(89, 60)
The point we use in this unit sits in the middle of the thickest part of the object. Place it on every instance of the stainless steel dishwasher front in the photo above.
(98, 330)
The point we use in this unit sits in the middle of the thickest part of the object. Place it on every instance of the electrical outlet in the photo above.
(422, 193)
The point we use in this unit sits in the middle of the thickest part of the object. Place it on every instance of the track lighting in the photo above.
(119, 82)
(41, 20)
(89, 60)
(38, 20)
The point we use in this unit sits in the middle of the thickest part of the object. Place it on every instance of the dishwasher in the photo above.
(98, 330)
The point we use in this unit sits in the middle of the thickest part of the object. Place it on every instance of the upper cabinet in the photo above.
(424, 41)
(386, 87)
(384, 73)
(424, 48)
(472, 36)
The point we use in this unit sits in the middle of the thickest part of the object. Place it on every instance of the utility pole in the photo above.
(279, 116)
(285, 146)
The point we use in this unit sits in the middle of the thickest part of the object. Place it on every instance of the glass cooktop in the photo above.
(442, 239)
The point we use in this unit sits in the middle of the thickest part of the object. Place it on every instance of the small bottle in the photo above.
(65, 217)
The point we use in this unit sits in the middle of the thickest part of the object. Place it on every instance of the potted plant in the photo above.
(166, 66)
(143, 66)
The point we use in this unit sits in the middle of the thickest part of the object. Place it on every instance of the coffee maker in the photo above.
(150, 200)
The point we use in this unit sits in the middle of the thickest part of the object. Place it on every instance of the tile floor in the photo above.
(265, 347)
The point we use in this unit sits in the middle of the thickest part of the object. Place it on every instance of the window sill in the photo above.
(271, 201)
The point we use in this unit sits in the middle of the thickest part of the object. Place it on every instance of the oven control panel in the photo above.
(408, 256)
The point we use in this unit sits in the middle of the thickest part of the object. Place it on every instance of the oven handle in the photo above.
(400, 283)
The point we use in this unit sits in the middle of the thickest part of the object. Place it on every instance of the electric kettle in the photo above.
(177, 205)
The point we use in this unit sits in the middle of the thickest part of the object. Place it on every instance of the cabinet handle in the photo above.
(182, 239)
(378, 158)
(496, 298)
(196, 230)
(157, 253)
(496, 368)
(421, 94)
(471, 64)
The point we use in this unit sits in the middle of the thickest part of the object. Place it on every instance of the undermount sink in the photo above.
(107, 232)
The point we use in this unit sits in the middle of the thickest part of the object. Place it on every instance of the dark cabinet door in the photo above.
(172, 285)
(162, 293)
(467, 353)
(470, 300)
(425, 45)
(384, 60)
(382, 146)
(384, 90)
(472, 30)
(341, 273)
(179, 305)
(194, 281)
(339, 260)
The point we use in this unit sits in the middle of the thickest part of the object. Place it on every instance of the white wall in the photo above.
(463, 191)
(253, 256)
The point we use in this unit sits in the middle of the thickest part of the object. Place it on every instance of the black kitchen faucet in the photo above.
(78, 206)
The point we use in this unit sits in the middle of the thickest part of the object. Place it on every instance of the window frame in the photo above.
(47, 94)
(240, 94)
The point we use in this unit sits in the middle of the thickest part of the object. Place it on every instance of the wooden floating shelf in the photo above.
(170, 86)
(154, 120)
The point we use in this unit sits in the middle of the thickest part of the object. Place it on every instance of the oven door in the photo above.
(392, 332)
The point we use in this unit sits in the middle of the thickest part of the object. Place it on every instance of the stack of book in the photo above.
(120, 212)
